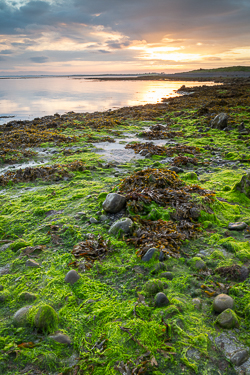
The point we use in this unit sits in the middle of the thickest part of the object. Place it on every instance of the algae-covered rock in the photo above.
(219, 121)
(237, 226)
(244, 185)
(154, 286)
(45, 318)
(167, 275)
(18, 244)
(114, 203)
(217, 254)
(228, 319)
(20, 318)
(32, 263)
(26, 296)
(222, 302)
(124, 225)
(161, 300)
(61, 338)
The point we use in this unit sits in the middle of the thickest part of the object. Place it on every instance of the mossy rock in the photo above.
(226, 188)
(243, 186)
(44, 318)
(18, 244)
(171, 311)
(197, 263)
(190, 176)
(154, 286)
(207, 224)
(217, 255)
(228, 319)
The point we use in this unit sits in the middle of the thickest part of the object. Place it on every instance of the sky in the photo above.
(122, 36)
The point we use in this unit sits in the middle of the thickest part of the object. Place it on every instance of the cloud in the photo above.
(6, 52)
(39, 59)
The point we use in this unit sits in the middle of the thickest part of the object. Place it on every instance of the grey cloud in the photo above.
(6, 52)
(103, 51)
(39, 59)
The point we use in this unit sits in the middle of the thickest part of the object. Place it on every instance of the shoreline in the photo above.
(134, 285)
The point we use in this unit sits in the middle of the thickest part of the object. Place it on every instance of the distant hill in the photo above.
(226, 69)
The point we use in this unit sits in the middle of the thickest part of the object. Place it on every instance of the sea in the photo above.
(25, 98)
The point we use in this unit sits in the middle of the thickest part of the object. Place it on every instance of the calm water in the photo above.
(36, 97)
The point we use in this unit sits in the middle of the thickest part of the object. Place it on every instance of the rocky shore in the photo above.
(124, 238)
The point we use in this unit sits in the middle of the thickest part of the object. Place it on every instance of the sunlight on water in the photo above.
(36, 97)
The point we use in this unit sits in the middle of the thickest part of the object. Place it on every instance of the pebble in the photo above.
(197, 303)
(237, 226)
(124, 225)
(161, 300)
(20, 316)
(222, 302)
(32, 263)
(61, 338)
(93, 220)
(149, 254)
(72, 277)
(103, 217)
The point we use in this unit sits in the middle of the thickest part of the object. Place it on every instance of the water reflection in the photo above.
(35, 97)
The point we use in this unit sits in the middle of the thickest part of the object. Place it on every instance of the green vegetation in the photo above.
(52, 221)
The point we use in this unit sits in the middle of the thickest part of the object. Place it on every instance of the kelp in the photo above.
(149, 147)
(47, 173)
(94, 248)
(154, 134)
(11, 156)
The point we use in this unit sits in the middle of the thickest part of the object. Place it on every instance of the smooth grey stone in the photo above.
(20, 317)
(61, 338)
(114, 203)
(103, 217)
(93, 220)
(72, 277)
(219, 121)
(240, 357)
(124, 225)
(237, 226)
(149, 254)
(161, 300)
(227, 319)
(32, 263)
(222, 302)
(167, 275)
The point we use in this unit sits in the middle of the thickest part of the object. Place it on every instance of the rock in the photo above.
(153, 286)
(200, 265)
(220, 121)
(167, 275)
(124, 225)
(237, 226)
(61, 338)
(149, 254)
(228, 319)
(26, 296)
(244, 185)
(162, 256)
(32, 263)
(1, 287)
(72, 277)
(114, 203)
(103, 217)
(197, 303)
(161, 300)
(20, 317)
(159, 267)
(176, 169)
(239, 357)
(46, 319)
(93, 220)
(222, 302)
(3, 297)
(244, 273)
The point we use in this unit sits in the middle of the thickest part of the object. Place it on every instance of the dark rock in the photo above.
(124, 225)
(72, 277)
(222, 302)
(32, 263)
(237, 226)
(194, 213)
(114, 203)
(149, 254)
(220, 121)
(162, 256)
(244, 273)
(161, 300)
(153, 286)
(26, 296)
(167, 275)
(1, 287)
(61, 338)
(176, 169)
(228, 319)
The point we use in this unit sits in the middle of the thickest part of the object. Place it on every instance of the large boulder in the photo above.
(222, 302)
(114, 203)
(243, 186)
(122, 225)
(220, 121)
